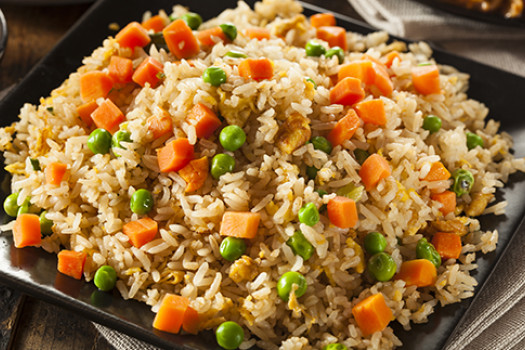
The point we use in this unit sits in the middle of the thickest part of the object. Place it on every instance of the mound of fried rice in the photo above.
(90, 207)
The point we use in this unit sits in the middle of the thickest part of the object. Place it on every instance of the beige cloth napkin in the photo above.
(496, 319)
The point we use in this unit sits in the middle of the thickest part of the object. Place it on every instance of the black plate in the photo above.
(493, 17)
(34, 271)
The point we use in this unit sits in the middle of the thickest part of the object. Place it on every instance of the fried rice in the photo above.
(91, 205)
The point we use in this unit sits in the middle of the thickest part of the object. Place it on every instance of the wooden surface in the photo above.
(26, 322)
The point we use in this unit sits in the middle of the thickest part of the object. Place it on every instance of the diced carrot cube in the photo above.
(160, 125)
(240, 224)
(150, 71)
(374, 168)
(204, 120)
(390, 57)
(84, 112)
(120, 69)
(347, 92)
(133, 35)
(211, 36)
(26, 230)
(141, 231)
(94, 84)
(447, 244)
(175, 155)
(344, 129)
(333, 35)
(180, 39)
(372, 314)
(419, 272)
(175, 312)
(362, 70)
(256, 69)
(108, 116)
(322, 19)
(155, 23)
(55, 172)
(195, 173)
(342, 212)
(437, 172)
(447, 199)
(426, 79)
(257, 33)
(372, 111)
(71, 263)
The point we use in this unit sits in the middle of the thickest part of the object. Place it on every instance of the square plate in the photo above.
(34, 271)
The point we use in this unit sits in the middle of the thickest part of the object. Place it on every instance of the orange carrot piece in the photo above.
(175, 312)
(94, 84)
(257, 33)
(344, 129)
(437, 172)
(208, 37)
(26, 230)
(55, 173)
(195, 173)
(175, 155)
(448, 199)
(347, 92)
(120, 69)
(447, 244)
(342, 212)
(426, 79)
(180, 39)
(155, 23)
(133, 35)
(419, 272)
(141, 231)
(378, 65)
(256, 69)
(390, 57)
(108, 116)
(150, 71)
(84, 112)
(322, 19)
(372, 111)
(204, 120)
(71, 263)
(160, 125)
(374, 169)
(372, 314)
(362, 70)
(382, 80)
(333, 35)
(242, 224)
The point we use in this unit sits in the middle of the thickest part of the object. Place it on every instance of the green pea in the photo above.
(315, 49)
(221, 164)
(214, 76)
(425, 250)
(232, 248)
(35, 163)
(232, 137)
(312, 81)
(11, 205)
(229, 30)
(25, 207)
(335, 346)
(235, 54)
(99, 141)
(361, 155)
(229, 335)
(117, 138)
(300, 245)
(193, 20)
(141, 202)
(463, 181)
(105, 278)
(375, 243)
(336, 51)
(46, 225)
(311, 172)
(473, 140)
(285, 283)
(432, 123)
(322, 144)
(308, 214)
(382, 266)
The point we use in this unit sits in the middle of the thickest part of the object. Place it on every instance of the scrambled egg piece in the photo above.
(293, 133)
(350, 243)
(243, 269)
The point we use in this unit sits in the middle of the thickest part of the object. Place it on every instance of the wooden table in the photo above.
(26, 322)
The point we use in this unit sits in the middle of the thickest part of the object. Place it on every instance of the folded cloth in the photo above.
(497, 45)
(495, 319)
